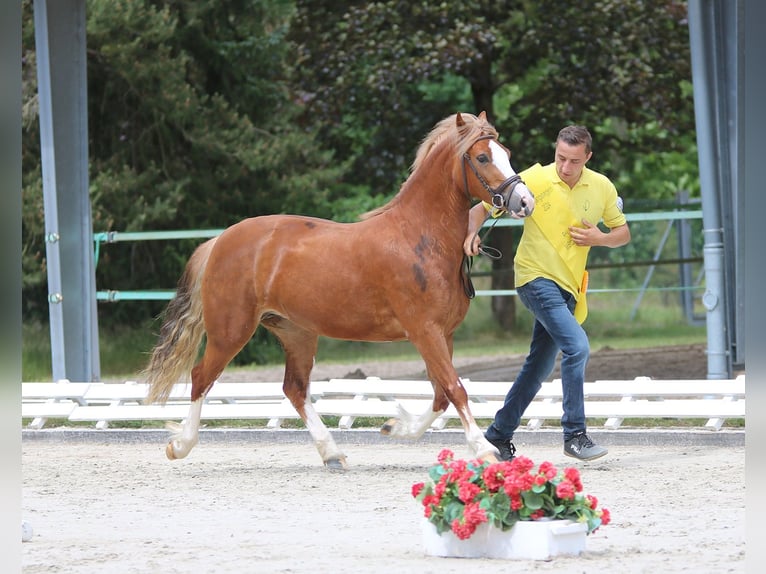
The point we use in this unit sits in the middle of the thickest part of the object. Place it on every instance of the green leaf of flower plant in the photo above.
(453, 510)
(532, 500)
(499, 506)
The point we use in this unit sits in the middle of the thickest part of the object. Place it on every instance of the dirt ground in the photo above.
(273, 508)
(262, 507)
(670, 362)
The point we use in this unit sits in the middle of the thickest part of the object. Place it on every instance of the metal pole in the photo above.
(60, 44)
(703, 17)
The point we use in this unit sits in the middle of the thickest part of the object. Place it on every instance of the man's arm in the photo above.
(476, 218)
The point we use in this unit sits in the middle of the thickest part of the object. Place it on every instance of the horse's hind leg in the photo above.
(219, 351)
(300, 347)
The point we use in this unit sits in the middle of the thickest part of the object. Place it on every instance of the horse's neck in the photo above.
(432, 199)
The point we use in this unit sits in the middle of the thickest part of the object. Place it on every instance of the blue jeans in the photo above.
(555, 329)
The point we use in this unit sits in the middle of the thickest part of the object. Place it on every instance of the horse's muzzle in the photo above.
(521, 202)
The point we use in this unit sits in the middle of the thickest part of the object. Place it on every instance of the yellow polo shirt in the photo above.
(546, 249)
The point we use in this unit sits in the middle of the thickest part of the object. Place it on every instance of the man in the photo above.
(551, 280)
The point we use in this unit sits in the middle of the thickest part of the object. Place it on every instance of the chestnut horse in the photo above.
(394, 275)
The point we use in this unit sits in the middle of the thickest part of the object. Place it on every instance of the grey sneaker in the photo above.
(580, 446)
(506, 448)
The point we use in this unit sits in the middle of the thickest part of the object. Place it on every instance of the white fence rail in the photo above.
(102, 403)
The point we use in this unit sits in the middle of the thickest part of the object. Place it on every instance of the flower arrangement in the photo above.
(463, 494)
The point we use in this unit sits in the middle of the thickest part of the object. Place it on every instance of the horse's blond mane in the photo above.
(446, 132)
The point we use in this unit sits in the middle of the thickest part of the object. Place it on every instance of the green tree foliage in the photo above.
(374, 73)
(203, 113)
(377, 76)
(191, 125)
(621, 67)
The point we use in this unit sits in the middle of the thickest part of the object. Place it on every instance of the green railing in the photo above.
(158, 295)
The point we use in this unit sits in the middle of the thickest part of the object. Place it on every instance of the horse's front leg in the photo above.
(455, 391)
(411, 426)
(437, 354)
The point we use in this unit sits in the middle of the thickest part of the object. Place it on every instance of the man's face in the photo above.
(570, 159)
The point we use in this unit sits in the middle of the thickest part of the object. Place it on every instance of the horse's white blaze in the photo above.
(501, 160)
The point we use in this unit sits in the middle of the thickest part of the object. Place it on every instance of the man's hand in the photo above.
(589, 235)
(471, 244)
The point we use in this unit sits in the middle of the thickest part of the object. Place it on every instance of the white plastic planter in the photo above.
(538, 540)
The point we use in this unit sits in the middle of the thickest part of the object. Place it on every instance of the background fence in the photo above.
(665, 255)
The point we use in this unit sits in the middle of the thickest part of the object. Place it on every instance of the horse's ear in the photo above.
(483, 116)
(459, 121)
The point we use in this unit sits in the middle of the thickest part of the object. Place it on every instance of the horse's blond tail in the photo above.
(181, 332)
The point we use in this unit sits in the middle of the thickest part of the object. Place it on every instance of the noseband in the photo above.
(501, 195)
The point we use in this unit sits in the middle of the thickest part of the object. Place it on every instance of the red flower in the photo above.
(606, 517)
(417, 488)
(511, 488)
(548, 470)
(458, 467)
(524, 481)
(467, 491)
(573, 476)
(445, 455)
(474, 514)
(522, 464)
(463, 531)
(494, 475)
(592, 500)
(565, 490)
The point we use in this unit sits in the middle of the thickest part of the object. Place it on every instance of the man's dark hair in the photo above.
(576, 135)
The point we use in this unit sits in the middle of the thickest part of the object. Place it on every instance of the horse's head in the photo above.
(495, 181)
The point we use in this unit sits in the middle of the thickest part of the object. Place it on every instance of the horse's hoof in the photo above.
(336, 463)
(388, 427)
(170, 452)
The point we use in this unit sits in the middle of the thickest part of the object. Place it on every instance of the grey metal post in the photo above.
(713, 42)
(61, 74)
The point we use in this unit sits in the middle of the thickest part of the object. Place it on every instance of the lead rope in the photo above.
(487, 251)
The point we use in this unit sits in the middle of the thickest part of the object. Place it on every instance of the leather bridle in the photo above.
(499, 196)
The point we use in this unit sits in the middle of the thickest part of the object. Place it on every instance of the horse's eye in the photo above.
(482, 158)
